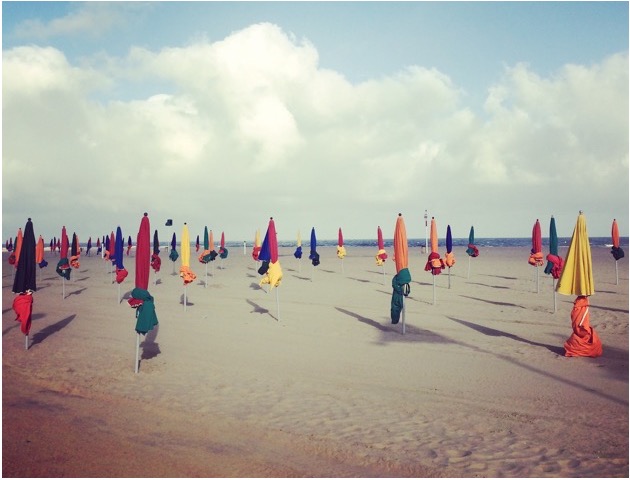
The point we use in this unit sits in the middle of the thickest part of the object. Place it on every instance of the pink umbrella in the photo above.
(536, 258)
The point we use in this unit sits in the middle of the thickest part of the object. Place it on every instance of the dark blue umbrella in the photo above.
(314, 256)
(121, 272)
(449, 258)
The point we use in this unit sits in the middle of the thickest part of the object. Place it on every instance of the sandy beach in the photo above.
(326, 386)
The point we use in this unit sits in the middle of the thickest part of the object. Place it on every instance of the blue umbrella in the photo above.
(314, 256)
(449, 258)
(121, 272)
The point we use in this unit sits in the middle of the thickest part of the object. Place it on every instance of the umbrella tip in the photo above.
(146, 214)
(400, 214)
(29, 219)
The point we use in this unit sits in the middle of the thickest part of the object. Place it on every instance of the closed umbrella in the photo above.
(449, 258)
(402, 279)
(156, 261)
(75, 252)
(555, 263)
(616, 251)
(257, 246)
(381, 255)
(298, 251)
(185, 272)
(141, 299)
(536, 256)
(472, 250)
(577, 279)
(207, 255)
(174, 255)
(129, 245)
(63, 266)
(313, 256)
(121, 271)
(99, 246)
(271, 269)
(15, 255)
(223, 251)
(39, 256)
(89, 247)
(197, 244)
(24, 282)
(434, 264)
(341, 250)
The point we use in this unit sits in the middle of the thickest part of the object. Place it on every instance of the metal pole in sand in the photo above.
(26, 342)
(137, 352)
(468, 276)
(537, 280)
(278, 303)
(555, 308)
(63, 288)
(205, 285)
(433, 289)
(616, 273)
(403, 315)
(185, 297)
(449, 277)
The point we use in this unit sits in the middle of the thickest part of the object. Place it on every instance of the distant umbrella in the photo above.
(314, 256)
(75, 252)
(272, 274)
(555, 263)
(341, 250)
(15, 255)
(206, 256)
(173, 255)
(186, 274)
(197, 244)
(434, 264)
(63, 266)
(156, 262)
(577, 279)
(536, 256)
(24, 282)
(121, 271)
(402, 279)
(381, 255)
(223, 251)
(449, 258)
(298, 251)
(472, 250)
(39, 254)
(257, 246)
(89, 247)
(616, 251)
(129, 245)
(141, 299)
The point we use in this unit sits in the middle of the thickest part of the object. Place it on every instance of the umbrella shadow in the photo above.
(188, 302)
(150, 348)
(502, 304)
(393, 332)
(76, 292)
(362, 280)
(42, 335)
(255, 286)
(491, 332)
(610, 309)
(489, 286)
(497, 276)
(257, 308)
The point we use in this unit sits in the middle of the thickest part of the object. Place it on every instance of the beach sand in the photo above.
(478, 386)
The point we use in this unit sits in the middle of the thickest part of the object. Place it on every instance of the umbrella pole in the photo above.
(537, 280)
(555, 308)
(616, 273)
(26, 342)
(137, 352)
(184, 298)
(205, 285)
(342, 270)
(433, 289)
(63, 288)
(278, 303)
(468, 276)
(449, 277)
(299, 265)
(383, 269)
(403, 315)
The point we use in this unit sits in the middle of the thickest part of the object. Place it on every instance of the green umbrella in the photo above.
(554, 261)
(471, 250)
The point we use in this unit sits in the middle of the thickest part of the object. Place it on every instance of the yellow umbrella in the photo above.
(577, 276)
(577, 279)
(184, 271)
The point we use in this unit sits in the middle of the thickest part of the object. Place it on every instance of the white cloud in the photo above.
(251, 126)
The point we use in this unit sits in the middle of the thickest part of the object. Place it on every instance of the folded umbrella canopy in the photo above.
(197, 244)
(75, 252)
(63, 266)
(223, 251)
(24, 282)
(434, 264)
(402, 279)
(536, 256)
(173, 255)
(341, 250)
(314, 256)
(555, 263)
(89, 247)
(99, 246)
(577, 279)
(256, 249)
(449, 258)
(121, 271)
(472, 250)
(381, 255)
(141, 299)
(186, 274)
(298, 248)
(270, 269)
(616, 251)
(129, 245)
(156, 262)
(39, 253)
(13, 258)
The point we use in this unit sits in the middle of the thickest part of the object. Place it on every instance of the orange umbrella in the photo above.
(577, 279)
(434, 264)
(400, 282)
(616, 251)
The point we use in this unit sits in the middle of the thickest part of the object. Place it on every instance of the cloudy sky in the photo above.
(320, 114)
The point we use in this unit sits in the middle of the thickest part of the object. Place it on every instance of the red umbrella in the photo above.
(341, 250)
(400, 282)
(141, 299)
(24, 283)
(616, 251)
(273, 274)
(223, 252)
(536, 258)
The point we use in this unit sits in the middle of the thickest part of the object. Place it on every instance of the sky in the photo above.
(318, 114)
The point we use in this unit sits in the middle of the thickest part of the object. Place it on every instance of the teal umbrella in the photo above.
(555, 263)
(472, 251)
